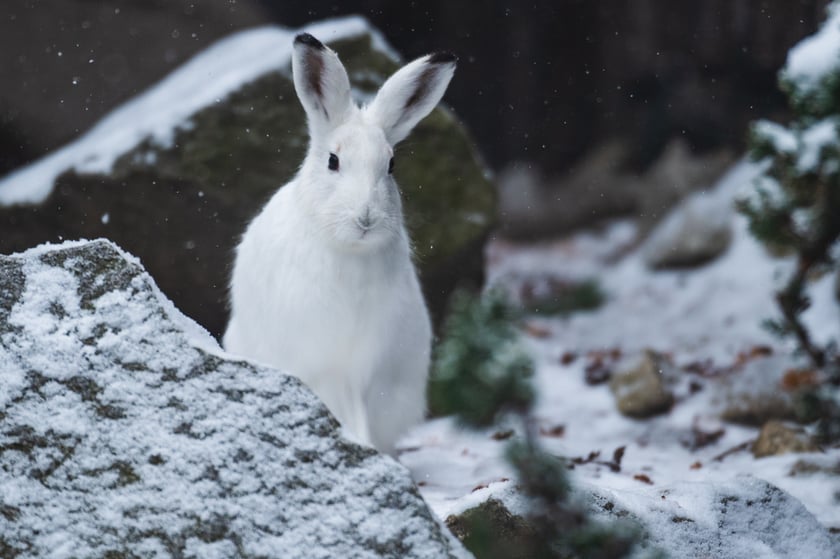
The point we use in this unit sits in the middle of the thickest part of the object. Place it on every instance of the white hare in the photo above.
(323, 285)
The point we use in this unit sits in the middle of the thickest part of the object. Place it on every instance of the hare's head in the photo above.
(347, 186)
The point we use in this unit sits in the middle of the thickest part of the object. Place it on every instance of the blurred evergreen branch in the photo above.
(795, 209)
(481, 374)
(583, 296)
(480, 370)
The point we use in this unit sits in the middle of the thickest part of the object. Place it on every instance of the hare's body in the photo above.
(368, 366)
(323, 285)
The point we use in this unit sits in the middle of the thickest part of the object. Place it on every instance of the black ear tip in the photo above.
(443, 57)
(309, 41)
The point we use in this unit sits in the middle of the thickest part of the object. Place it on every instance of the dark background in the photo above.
(541, 82)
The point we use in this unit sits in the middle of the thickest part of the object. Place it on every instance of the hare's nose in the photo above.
(365, 221)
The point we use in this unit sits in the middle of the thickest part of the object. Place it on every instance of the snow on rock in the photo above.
(155, 115)
(699, 230)
(744, 517)
(752, 397)
(124, 431)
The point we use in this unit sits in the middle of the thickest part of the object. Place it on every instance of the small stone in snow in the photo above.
(776, 438)
(640, 391)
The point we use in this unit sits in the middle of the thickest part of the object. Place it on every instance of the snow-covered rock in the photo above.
(756, 394)
(125, 431)
(601, 188)
(697, 231)
(745, 517)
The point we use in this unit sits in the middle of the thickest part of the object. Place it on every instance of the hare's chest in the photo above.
(347, 306)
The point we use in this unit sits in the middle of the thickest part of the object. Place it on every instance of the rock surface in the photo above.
(125, 432)
(696, 232)
(745, 517)
(755, 395)
(600, 188)
(511, 533)
(776, 438)
(837, 285)
(182, 203)
(640, 391)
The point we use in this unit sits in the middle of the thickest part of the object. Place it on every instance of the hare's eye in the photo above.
(391, 166)
(333, 164)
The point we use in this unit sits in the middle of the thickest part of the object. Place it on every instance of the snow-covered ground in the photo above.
(711, 313)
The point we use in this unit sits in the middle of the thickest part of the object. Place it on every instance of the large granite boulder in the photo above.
(174, 175)
(126, 432)
(744, 517)
(725, 519)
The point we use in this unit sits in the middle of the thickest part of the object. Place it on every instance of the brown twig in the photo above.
(743, 446)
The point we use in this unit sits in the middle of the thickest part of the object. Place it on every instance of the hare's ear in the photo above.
(411, 93)
(321, 83)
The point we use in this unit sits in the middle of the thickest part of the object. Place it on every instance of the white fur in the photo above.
(317, 291)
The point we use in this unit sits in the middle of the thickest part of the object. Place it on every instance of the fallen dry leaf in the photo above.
(568, 358)
(761, 351)
(486, 485)
(698, 438)
(643, 478)
(502, 435)
(795, 379)
(737, 448)
(600, 364)
(536, 330)
(556, 431)
(618, 454)
(614, 465)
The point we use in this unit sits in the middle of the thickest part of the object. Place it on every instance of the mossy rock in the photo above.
(182, 208)
(491, 531)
